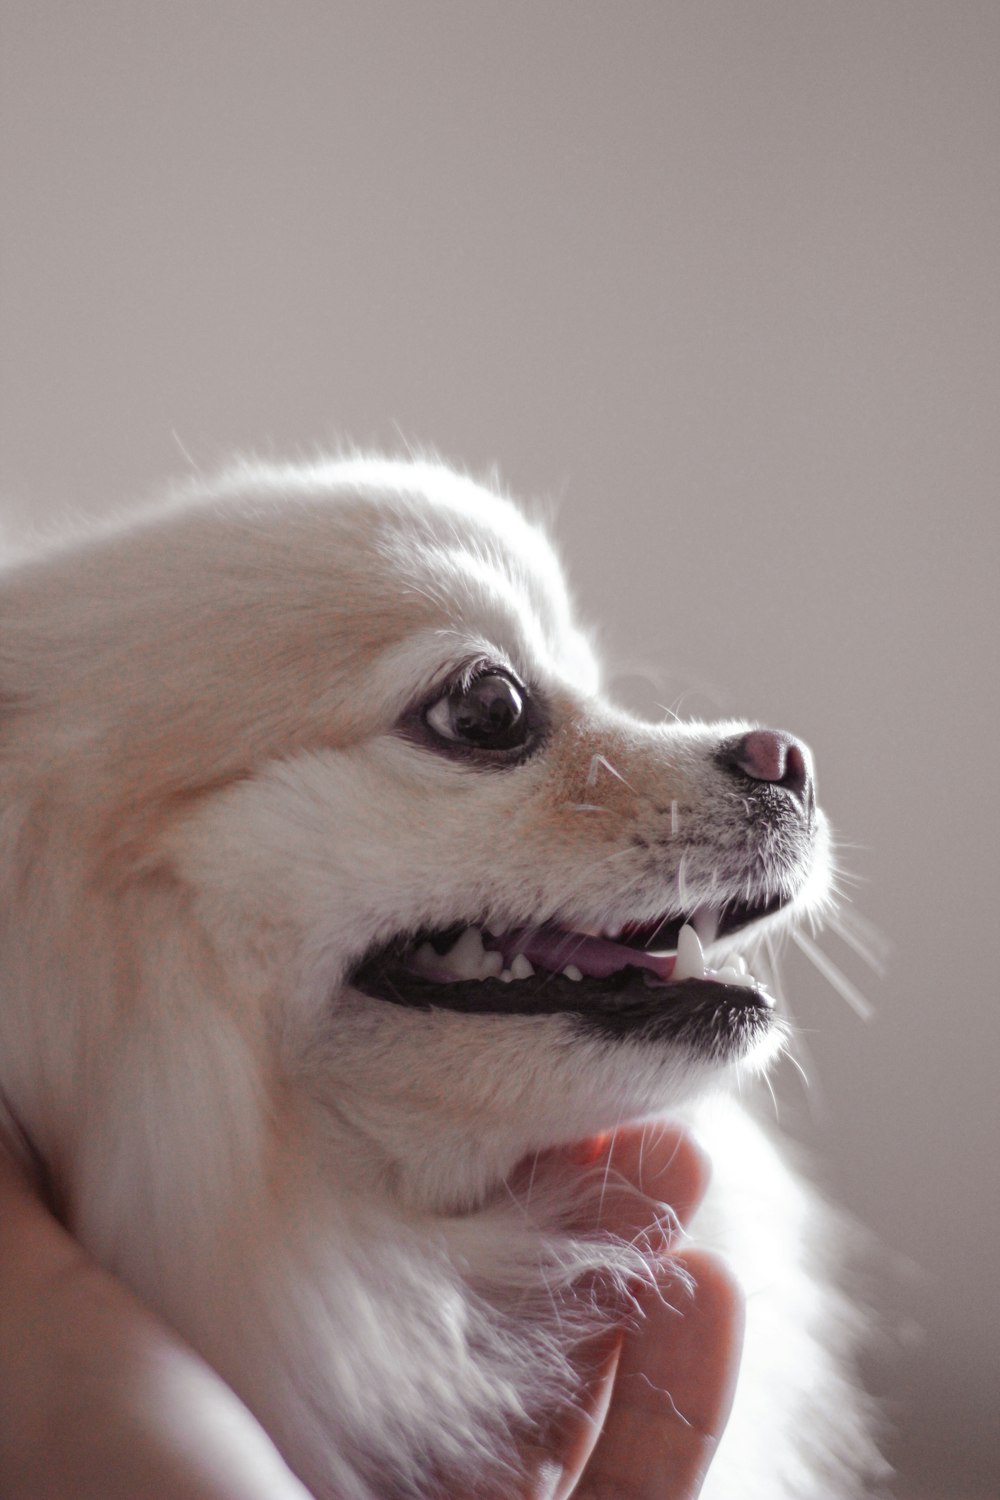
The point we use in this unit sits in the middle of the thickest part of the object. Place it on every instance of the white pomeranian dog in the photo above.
(330, 889)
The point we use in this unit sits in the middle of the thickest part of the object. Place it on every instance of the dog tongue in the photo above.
(554, 948)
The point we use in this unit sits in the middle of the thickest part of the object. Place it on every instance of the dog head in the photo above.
(311, 799)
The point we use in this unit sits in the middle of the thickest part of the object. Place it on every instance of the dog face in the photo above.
(331, 887)
(326, 749)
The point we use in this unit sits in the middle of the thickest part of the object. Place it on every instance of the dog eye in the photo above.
(488, 713)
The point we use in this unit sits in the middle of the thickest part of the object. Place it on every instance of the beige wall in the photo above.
(723, 278)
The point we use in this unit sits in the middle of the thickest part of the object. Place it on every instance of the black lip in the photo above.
(721, 1020)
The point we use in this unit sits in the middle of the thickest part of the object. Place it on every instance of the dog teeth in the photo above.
(466, 955)
(735, 971)
(690, 963)
(729, 975)
(467, 959)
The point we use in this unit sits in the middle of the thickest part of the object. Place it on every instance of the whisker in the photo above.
(798, 1068)
(682, 889)
(773, 971)
(607, 1165)
(596, 761)
(865, 939)
(796, 1040)
(651, 941)
(840, 982)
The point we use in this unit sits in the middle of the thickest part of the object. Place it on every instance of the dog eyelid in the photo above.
(485, 714)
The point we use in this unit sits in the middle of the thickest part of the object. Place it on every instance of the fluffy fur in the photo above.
(219, 792)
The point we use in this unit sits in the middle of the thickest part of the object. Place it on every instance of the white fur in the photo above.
(207, 816)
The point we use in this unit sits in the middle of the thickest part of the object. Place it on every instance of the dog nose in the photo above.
(771, 755)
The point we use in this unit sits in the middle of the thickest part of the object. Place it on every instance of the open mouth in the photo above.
(650, 977)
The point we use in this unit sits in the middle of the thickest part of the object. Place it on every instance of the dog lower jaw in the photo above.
(517, 1086)
(590, 1056)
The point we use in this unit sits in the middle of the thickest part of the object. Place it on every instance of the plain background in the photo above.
(721, 282)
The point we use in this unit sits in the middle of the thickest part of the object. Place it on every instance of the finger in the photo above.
(673, 1390)
(99, 1398)
(662, 1161)
(685, 1349)
(630, 1174)
(659, 1161)
(553, 1463)
(636, 1168)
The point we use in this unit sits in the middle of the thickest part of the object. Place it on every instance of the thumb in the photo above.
(673, 1388)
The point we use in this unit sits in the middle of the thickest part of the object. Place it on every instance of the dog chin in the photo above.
(454, 1145)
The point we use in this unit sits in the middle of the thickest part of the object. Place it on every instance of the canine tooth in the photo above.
(690, 962)
(465, 959)
(521, 967)
(572, 972)
(492, 965)
(505, 976)
(426, 957)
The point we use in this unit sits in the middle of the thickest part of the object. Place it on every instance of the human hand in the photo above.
(653, 1409)
(99, 1399)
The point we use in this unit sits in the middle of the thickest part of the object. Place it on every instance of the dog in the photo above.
(331, 889)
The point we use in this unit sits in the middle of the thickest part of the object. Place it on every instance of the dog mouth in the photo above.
(647, 979)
